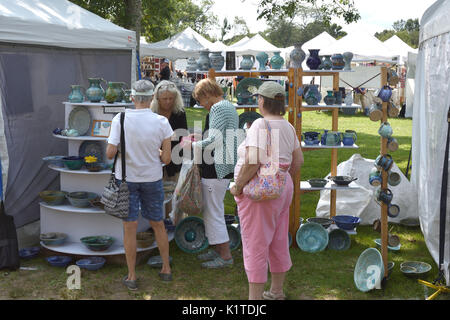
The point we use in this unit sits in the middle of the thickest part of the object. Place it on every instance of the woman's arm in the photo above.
(166, 151)
(111, 151)
(215, 130)
(297, 162)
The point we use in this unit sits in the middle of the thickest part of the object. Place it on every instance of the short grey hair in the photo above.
(143, 86)
(169, 86)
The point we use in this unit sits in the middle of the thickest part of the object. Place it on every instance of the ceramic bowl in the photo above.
(156, 261)
(59, 261)
(397, 248)
(235, 237)
(96, 203)
(29, 253)
(312, 237)
(190, 235)
(346, 222)
(325, 222)
(56, 161)
(317, 183)
(342, 180)
(91, 263)
(369, 270)
(97, 243)
(53, 238)
(81, 199)
(73, 162)
(414, 268)
(145, 239)
(338, 240)
(95, 166)
(53, 198)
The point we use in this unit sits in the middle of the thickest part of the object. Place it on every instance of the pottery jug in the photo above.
(375, 112)
(76, 96)
(392, 144)
(348, 100)
(393, 110)
(127, 96)
(111, 93)
(313, 60)
(262, 58)
(329, 99)
(385, 196)
(326, 63)
(333, 138)
(276, 61)
(338, 96)
(217, 60)
(385, 93)
(247, 62)
(338, 62)
(203, 62)
(118, 87)
(95, 91)
(191, 64)
(311, 135)
(392, 77)
(349, 137)
(323, 139)
(297, 56)
(385, 130)
(348, 56)
(375, 178)
(312, 95)
(384, 162)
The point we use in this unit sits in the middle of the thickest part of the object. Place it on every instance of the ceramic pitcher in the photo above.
(385, 130)
(203, 62)
(76, 96)
(247, 62)
(95, 92)
(262, 58)
(111, 93)
(276, 61)
(217, 60)
(333, 138)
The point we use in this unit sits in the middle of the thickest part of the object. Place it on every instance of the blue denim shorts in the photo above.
(147, 197)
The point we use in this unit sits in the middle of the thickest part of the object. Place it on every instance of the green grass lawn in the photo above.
(324, 275)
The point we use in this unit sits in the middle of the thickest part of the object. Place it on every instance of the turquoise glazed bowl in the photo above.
(338, 240)
(312, 237)
(369, 270)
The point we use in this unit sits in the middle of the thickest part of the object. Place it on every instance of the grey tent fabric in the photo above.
(35, 82)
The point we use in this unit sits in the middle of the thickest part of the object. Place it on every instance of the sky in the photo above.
(375, 15)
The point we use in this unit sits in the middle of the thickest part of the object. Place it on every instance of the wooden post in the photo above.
(384, 174)
(334, 151)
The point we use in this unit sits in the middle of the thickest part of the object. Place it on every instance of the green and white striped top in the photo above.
(223, 125)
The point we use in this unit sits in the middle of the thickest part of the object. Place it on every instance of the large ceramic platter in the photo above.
(91, 148)
(246, 88)
(80, 119)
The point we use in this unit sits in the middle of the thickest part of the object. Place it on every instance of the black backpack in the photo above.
(9, 248)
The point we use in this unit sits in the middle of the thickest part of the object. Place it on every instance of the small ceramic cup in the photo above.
(392, 144)
(393, 210)
(375, 178)
(394, 178)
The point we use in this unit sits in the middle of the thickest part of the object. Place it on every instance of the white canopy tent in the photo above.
(240, 42)
(45, 47)
(254, 45)
(184, 44)
(431, 106)
(399, 46)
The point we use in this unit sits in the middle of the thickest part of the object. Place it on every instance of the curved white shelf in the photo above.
(81, 171)
(99, 104)
(81, 138)
(304, 185)
(72, 209)
(323, 105)
(77, 248)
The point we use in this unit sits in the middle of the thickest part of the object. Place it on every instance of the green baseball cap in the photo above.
(271, 89)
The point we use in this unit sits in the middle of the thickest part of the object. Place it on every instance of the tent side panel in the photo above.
(37, 81)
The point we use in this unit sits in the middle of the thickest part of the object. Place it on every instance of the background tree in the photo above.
(226, 27)
(407, 30)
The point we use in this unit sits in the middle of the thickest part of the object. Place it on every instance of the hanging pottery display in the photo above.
(348, 56)
(276, 61)
(262, 58)
(338, 61)
(76, 96)
(313, 62)
(247, 62)
(95, 91)
(217, 60)
(385, 93)
(297, 56)
(203, 62)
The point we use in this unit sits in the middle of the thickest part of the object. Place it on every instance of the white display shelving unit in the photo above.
(90, 221)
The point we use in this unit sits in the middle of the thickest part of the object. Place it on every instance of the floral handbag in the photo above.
(267, 184)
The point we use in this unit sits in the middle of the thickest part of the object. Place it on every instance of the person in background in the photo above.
(168, 102)
(222, 120)
(164, 74)
(147, 140)
(265, 224)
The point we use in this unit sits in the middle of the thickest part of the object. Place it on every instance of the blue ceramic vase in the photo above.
(262, 59)
(313, 62)
(276, 61)
(329, 98)
(338, 61)
(312, 95)
(76, 96)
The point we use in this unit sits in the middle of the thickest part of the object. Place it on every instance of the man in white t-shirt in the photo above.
(147, 146)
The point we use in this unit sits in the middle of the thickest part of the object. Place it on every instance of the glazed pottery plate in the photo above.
(312, 237)
(80, 119)
(368, 270)
(190, 235)
(419, 266)
(410, 222)
(91, 148)
(378, 242)
(248, 86)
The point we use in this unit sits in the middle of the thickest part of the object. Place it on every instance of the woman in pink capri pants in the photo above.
(265, 224)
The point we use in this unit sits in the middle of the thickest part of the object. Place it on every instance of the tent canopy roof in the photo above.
(240, 42)
(398, 46)
(184, 44)
(60, 23)
(434, 21)
(254, 45)
(321, 41)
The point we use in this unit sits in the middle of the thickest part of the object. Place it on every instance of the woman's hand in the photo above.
(235, 190)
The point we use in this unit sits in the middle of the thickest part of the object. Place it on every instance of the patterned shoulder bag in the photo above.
(115, 197)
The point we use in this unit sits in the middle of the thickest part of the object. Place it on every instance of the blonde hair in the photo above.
(207, 88)
(169, 86)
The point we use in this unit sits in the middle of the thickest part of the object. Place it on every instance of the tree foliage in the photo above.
(407, 30)
(327, 9)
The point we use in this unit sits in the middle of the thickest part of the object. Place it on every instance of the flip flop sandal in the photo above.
(218, 263)
(130, 284)
(210, 255)
(267, 295)
(165, 276)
